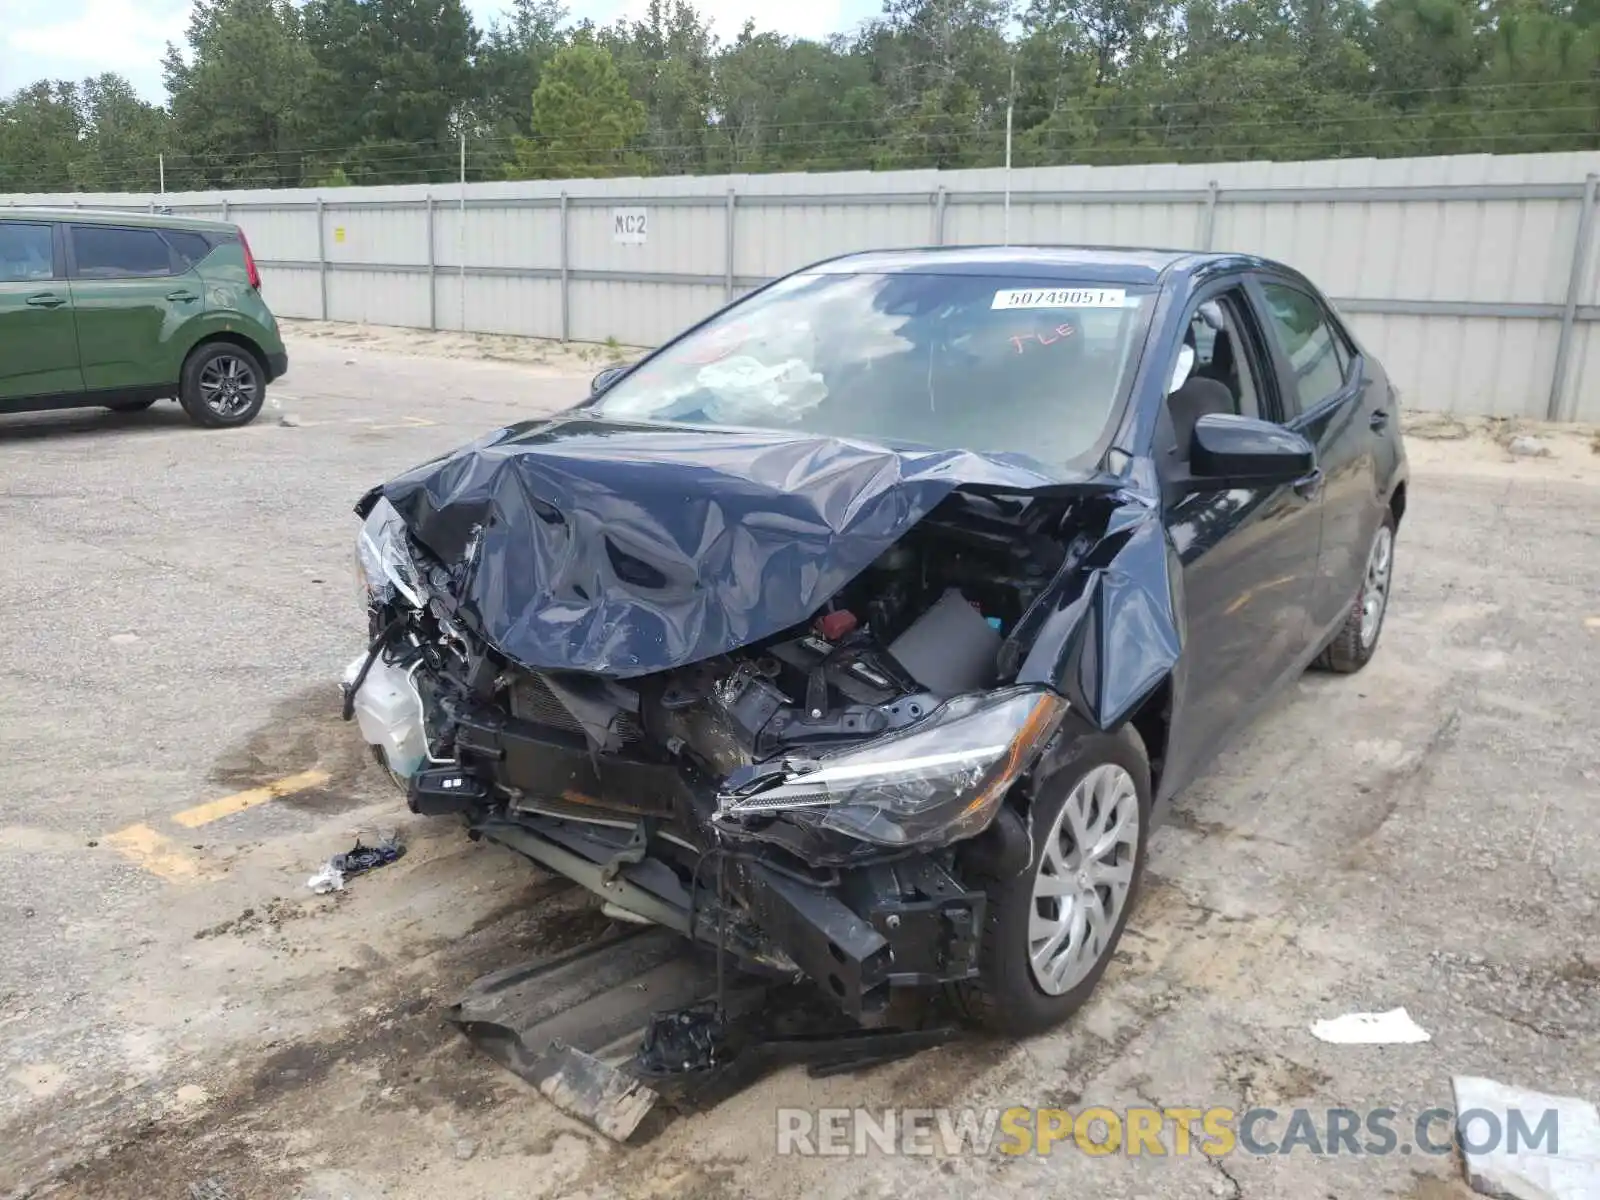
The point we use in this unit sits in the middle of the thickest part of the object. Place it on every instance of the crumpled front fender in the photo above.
(1112, 630)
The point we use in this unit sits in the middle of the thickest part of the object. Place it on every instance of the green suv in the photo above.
(119, 310)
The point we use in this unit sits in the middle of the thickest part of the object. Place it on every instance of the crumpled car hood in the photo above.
(580, 544)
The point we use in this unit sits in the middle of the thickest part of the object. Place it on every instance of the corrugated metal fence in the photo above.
(1473, 278)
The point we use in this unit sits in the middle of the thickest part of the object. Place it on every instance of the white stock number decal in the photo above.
(1060, 298)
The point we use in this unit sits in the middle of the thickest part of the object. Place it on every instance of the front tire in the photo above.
(223, 386)
(1353, 646)
(1050, 931)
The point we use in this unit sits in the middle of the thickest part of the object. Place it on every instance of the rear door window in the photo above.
(116, 252)
(26, 254)
(190, 247)
(1318, 359)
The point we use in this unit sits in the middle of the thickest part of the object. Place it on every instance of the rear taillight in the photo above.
(253, 271)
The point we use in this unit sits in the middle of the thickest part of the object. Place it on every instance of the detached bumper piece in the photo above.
(903, 924)
(616, 1031)
(567, 1024)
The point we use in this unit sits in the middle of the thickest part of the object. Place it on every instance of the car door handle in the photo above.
(1379, 421)
(1309, 487)
(46, 300)
(182, 296)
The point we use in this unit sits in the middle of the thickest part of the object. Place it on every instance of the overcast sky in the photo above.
(70, 39)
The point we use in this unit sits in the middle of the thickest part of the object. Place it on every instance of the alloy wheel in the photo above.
(228, 385)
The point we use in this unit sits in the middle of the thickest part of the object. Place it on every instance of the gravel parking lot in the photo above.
(179, 1016)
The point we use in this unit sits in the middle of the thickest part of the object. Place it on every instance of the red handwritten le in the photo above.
(1060, 331)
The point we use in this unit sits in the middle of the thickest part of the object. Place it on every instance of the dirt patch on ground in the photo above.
(565, 358)
(1268, 1080)
(1501, 447)
(396, 1059)
(1431, 1187)
(270, 916)
(304, 732)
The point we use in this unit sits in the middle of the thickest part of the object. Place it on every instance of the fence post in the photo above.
(224, 208)
(1569, 314)
(566, 282)
(938, 216)
(433, 271)
(1208, 222)
(461, 237)
(322, 259)
(727, 280)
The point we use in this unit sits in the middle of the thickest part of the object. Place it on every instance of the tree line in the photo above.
(270, 93)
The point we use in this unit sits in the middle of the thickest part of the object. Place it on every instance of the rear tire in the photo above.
(223, 386)
(130, 406)
(1109, 776)
(1353, 646)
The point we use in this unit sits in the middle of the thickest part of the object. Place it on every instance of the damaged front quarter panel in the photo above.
(1109, 632)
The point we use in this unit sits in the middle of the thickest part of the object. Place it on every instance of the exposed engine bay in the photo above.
(923, 623)
(682, 754)
(828, 796)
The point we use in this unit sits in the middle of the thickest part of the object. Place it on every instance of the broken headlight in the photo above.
(384, 567)
(933, 783)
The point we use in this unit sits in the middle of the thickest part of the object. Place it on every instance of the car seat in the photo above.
(1221, 367)
(1198, 396)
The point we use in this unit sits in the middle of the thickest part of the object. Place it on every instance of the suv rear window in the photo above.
(189, 247)
(112, 252)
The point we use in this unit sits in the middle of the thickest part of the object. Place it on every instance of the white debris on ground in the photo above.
(329, 879)
(1528, 447)
(1535, 1147)
(1394, 1027)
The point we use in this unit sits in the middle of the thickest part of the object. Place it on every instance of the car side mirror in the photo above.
(607, 377)
(1233, 451)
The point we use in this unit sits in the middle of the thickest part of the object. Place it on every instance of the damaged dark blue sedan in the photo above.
(867, 628)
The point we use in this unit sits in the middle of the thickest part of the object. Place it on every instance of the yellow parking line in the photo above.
(215, 810)
(156, 853)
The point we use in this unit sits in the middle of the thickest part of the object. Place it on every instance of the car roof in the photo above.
(105, 216)
(1109, 264)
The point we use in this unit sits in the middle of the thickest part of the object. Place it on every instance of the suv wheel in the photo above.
(1051, 930)
(223, 385)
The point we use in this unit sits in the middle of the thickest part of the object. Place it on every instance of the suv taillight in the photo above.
(253, 271)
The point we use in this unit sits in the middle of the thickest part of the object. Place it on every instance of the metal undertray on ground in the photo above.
(632, 1025)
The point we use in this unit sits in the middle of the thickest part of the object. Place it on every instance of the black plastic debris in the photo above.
(358, 860)
(680, 1041)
